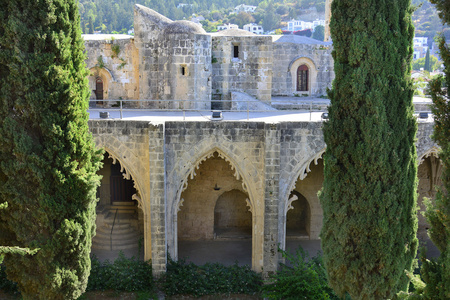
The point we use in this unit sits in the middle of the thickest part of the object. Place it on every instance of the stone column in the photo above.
(327, 20)
(271, 197)
(157, 198)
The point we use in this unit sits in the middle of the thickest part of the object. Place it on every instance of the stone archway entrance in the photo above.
(214, 222)
(120, 225)
(303, 78)
(99, 90)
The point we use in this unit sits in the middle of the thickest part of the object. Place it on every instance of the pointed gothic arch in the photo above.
(191, 174)
(300, 173)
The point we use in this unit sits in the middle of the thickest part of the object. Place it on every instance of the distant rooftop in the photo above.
(297, 39)
(233, 32)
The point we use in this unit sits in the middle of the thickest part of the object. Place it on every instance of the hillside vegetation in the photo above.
(111, 16)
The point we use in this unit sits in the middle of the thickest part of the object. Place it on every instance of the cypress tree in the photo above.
(427, 61)
(91, 25)
(48, 160)
(436, 273)
(369, 192)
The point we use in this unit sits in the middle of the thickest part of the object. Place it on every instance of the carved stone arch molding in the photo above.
(302, 172)
(433, 151)
(128, 172)
(195, 166)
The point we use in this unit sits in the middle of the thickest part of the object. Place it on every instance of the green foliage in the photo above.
(300, 278)
(319, 33)
(436, 274)
(125, 274)
(100, 63)
(427, 66)
(115, 51)
(369, 193)
(48, 161)
(420, 63)
(443, 6)
(5, 284)
(209, 279)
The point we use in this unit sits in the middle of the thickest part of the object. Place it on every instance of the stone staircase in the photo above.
(117, 228)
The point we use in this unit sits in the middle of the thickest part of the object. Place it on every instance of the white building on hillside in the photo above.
(227, 26)
(420, 47)
(255, 28)
(295, 25)
(245, 8)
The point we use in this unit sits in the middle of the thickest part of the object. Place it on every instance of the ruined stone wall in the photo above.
(118, 67)
(289, 56)
(250, 72)
(174, 60)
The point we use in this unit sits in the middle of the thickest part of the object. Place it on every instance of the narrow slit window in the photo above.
(183, 70)
(236, 51)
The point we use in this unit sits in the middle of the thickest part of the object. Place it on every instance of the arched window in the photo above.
(302, 78)
(99, 90)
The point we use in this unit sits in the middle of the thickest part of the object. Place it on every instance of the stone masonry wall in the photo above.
(250, 73)
(174, 60)
(120, 73)
(317, 57)
(262, 160)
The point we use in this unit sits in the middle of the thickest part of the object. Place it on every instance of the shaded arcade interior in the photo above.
(215, 211)
(119, 223)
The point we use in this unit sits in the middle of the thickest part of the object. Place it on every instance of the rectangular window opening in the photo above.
(236, 51)
(183, 70)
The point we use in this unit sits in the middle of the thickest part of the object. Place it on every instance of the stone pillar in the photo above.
(271, 197)
(157, 198)
(327, 20)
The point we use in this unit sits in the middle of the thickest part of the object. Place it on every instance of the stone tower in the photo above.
(327, 19)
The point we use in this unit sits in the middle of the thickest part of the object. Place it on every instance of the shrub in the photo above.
(124, 274)
(5, 284)
(299, 278)
(209, 279)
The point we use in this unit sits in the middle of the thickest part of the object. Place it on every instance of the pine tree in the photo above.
(369, 193)
(48, 160)
(427, 61)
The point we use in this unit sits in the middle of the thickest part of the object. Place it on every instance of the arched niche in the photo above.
(99, 78)
(232, 219)
(298, 217)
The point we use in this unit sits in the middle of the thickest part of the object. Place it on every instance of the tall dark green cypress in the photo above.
(427, 66)
(436, 273)
(369, 193)
(48, 160)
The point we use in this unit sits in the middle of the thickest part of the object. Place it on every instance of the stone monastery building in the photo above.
(170, 181)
